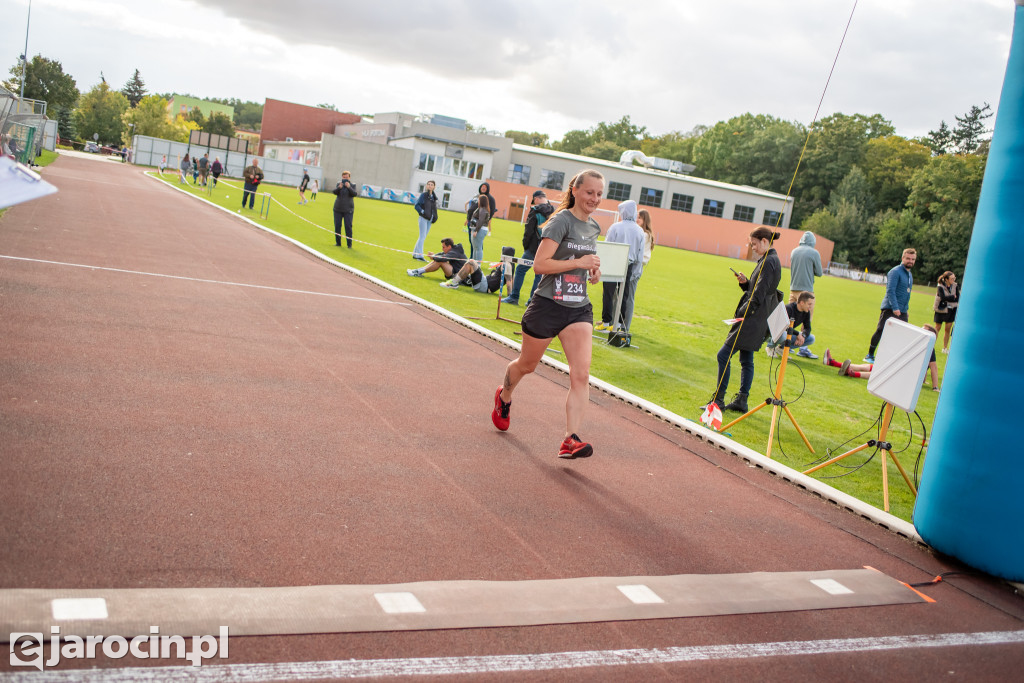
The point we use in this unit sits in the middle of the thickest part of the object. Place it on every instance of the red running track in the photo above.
(160, 432)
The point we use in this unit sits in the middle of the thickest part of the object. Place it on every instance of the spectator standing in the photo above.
(759, 299)
(195, 169)
(539, 213)
(344, 208)
(567, 259)
(626, 231)
(184, 167)
(204, 168)
(479, 226)
(216, 169)
(426, 207)
(804, 266)
(492, 206)
(303, 184)
(643, 219)
(251, 177)
(163, 164)
(897, 298)
(316, 188)
(947, 298)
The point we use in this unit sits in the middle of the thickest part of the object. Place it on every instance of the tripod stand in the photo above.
(776, 402)
(886, 449)
(508, 271)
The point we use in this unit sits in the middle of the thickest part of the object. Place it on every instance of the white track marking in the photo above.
(79, 608)
(451, 666)
(196, 279)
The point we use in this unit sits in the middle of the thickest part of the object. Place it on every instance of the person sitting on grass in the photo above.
(473, 275)
(450, 261)
(863, 370)
(800, 336)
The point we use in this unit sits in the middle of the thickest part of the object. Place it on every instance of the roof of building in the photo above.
(649, 171)
(460, 143)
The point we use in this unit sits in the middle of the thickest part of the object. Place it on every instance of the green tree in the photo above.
(943, 244)
(970, 129)
(673, 145)
(521, 137)
(150, 118)
(65, 123)
(100, 111)
(45, 80)
(603, 149)
(134, 89)
(749, 149)
(196, 116)
(940, 141)
(622, 132)
(889, 162)
(896, 232)
(951, 182)
(219, 124)
(836, 144)
(574, 141)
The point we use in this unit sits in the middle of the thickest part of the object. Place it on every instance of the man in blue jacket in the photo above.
(897, 299)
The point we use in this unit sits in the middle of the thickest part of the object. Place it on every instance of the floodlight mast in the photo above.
(24, 55)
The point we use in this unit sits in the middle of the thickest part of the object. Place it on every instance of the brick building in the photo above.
(283, 121)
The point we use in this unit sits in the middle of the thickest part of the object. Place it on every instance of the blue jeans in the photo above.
(808, 340)
(424, 229)
(520, 276)
(478, 244)
(746, 370)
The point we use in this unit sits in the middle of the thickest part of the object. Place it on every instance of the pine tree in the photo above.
(134, 89)
(967, 136)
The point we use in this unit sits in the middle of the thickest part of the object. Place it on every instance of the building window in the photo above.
(713, 207)
(743, 213)
(773, 218)
(430, 162)
(618, 191)
(682, 202)
(552, 180)
(650, 197)
(519, 174)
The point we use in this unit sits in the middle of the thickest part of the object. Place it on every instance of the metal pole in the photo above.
(24, 56)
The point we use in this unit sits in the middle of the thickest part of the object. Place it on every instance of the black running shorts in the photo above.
(545, 318)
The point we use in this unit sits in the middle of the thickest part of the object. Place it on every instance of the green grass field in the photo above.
(681, 301)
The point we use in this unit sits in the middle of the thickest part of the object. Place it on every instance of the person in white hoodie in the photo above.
(626, 231)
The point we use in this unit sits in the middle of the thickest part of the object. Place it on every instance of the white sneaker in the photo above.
(451, 284)
(772, 352)
(414, 273)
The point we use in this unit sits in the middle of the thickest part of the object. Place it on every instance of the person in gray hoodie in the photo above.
(804, 266)
(626, 231)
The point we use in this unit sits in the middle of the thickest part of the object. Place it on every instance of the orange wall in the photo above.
(693, 232)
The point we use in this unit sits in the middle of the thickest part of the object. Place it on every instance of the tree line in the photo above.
(853, 180)
(115, 115)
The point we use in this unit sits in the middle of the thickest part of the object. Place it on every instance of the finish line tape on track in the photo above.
(432, 605)
(484, 664)
(197, 279)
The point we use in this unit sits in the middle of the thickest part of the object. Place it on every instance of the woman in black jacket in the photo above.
(749, 332)
(485, 188)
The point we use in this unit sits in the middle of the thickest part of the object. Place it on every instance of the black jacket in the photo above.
(801, 320)
(534, 221)
(762, 299)
(455, 256)
(345, 193)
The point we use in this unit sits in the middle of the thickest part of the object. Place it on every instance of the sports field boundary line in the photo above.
(786, 473)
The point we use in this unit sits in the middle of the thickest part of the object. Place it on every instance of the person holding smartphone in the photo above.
(344, 208)
(566, 260)
(760, 296)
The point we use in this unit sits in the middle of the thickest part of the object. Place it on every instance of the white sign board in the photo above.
(614, 261)
(901, 363)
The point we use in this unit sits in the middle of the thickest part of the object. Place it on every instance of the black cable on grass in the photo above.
(830, 452)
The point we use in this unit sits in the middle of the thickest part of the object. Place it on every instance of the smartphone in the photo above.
(733, 271)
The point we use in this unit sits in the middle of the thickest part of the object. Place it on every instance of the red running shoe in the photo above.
(572, 447)
(500, 414)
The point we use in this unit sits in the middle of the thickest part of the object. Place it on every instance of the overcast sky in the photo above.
(547, 66)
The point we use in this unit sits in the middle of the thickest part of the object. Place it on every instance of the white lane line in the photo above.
(449, 666)
(399, 603)
(78, 608)
(640, 594)
(196, 279)
(831, 586)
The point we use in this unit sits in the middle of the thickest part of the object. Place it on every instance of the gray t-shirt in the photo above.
(575, 238)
